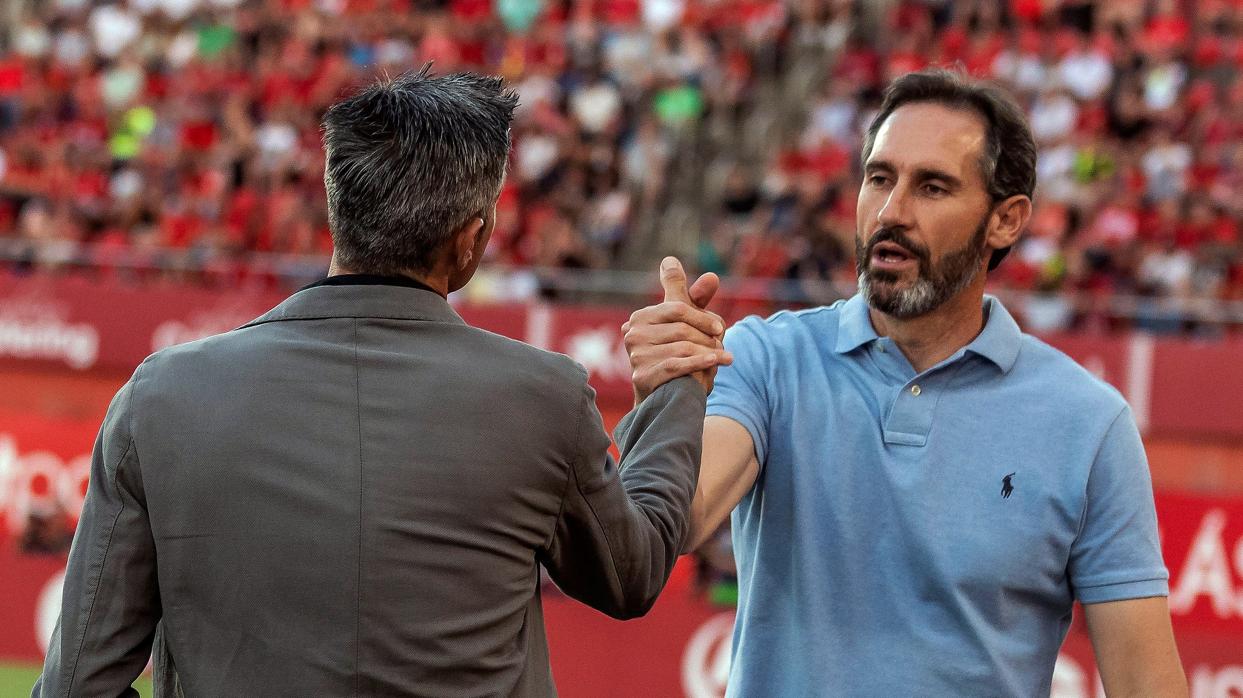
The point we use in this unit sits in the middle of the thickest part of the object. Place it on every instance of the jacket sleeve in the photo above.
(621, 528)
(110, 604)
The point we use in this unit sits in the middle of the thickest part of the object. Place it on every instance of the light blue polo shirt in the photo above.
(924, 534)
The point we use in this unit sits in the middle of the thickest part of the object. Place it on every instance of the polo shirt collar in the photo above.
(998, 342)
(1001, 337)
(854, 325)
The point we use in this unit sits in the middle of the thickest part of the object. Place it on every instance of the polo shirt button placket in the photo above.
(910, 419)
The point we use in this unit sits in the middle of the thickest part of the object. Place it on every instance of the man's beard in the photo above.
(933, 285)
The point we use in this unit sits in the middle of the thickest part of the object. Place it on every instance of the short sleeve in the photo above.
(1117, 554)
(741, 389)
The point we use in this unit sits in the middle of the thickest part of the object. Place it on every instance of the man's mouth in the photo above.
(891, 256)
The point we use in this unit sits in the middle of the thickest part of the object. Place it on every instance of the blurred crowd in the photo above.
(191, 127)
(1137, 109)
(188, 130)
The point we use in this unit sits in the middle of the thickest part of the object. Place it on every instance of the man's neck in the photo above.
(438, 283)
(929, 339)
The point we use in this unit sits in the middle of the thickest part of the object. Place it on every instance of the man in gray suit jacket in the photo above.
(352, 495)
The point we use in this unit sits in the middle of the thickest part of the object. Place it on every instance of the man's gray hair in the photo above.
(410, 160)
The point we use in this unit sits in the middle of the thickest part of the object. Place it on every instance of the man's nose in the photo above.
(894, 213)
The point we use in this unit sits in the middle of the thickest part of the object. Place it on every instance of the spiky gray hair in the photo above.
(409, 161)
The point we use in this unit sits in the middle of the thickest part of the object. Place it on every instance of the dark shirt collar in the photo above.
(370, 280)
(364, 296)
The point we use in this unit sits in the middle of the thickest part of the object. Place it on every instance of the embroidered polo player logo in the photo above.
(1006, 488)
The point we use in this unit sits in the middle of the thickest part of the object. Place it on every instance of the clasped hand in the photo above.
(677, 337)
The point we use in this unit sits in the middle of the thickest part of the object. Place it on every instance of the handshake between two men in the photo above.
(678, 336)
(681, 337)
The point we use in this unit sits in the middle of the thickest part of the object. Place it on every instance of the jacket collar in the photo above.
(364, 297)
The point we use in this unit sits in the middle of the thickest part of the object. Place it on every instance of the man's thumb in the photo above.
(704, 288)
(673, 280)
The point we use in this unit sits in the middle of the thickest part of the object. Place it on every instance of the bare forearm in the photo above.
(1135, 648)
(728, 472)
(702, 525)
(1166, 682)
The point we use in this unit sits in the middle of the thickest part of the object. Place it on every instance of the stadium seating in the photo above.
(184, 133)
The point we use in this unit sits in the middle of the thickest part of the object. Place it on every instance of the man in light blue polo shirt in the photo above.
(920, 491)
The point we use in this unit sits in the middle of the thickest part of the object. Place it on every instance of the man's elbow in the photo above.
(640, 589)
(629, 606)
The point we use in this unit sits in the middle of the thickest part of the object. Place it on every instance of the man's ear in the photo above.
(464, 241)
(1010, 218)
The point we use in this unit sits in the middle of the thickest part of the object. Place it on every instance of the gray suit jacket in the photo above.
(352, 496)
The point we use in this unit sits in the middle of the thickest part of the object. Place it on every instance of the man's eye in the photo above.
(935, 190)
(877, 180)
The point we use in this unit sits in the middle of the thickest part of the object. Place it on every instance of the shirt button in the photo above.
(880, 346)
(916, 390)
